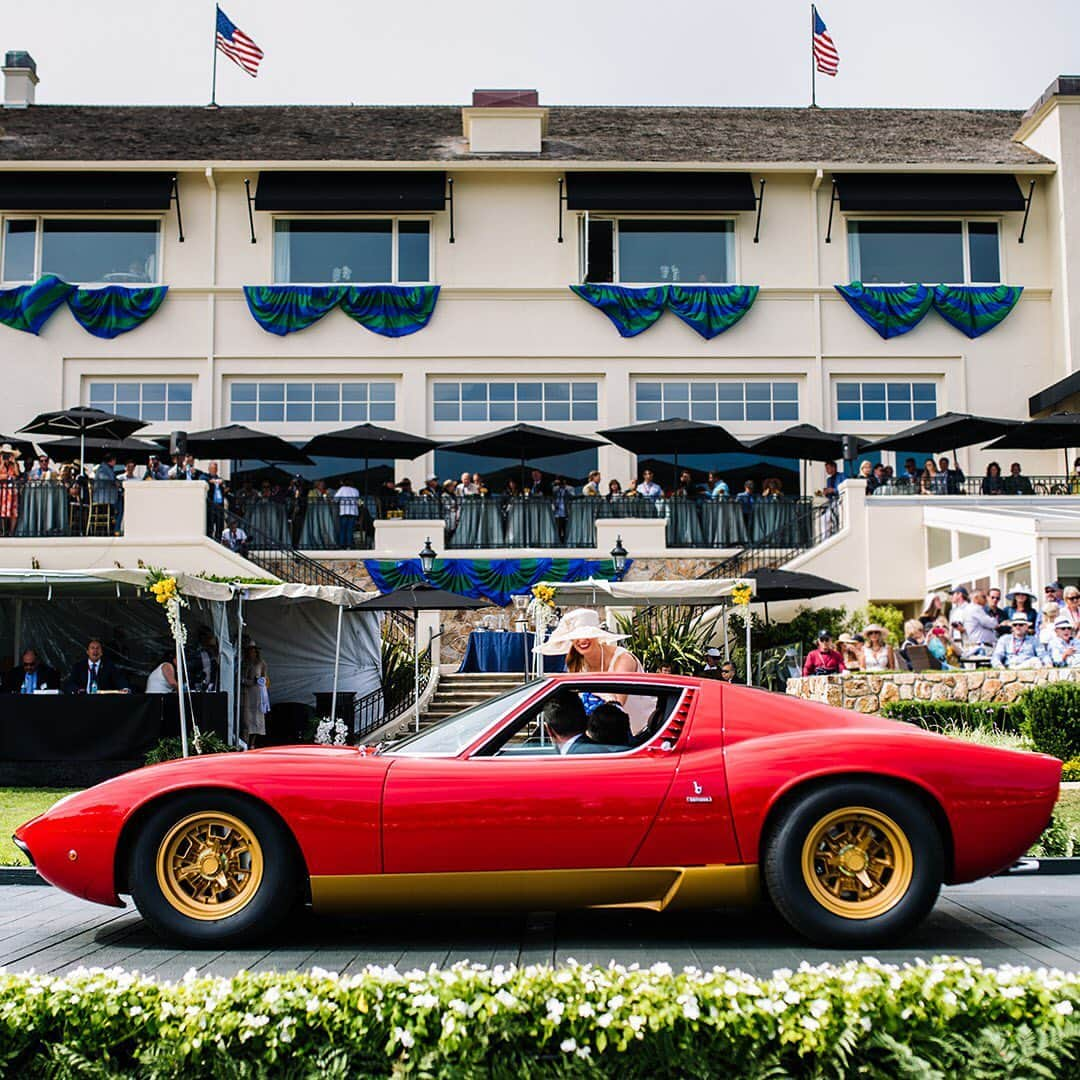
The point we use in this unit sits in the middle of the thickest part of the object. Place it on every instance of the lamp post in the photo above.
(427, 558)
(618, 557)
(427, 564)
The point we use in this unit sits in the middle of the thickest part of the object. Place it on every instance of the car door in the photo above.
(478, 813)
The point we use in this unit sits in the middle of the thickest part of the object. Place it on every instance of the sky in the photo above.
(943, 53)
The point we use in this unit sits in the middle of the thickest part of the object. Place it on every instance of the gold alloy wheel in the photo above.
(209, 865)
(857, 862)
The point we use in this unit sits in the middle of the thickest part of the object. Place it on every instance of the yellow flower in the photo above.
(741, 594)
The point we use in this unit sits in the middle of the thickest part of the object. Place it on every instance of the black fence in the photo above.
(1004, 485)
(75, 506)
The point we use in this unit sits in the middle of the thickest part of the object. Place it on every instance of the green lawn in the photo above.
(16, 806)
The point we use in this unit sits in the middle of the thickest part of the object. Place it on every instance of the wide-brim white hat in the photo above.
(576, 625)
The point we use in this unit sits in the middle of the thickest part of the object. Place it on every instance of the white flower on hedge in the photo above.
(555, 1009)
(604, 1020)
(690, 1010)
(661, 968)
(586, 1009)
(1011, 992)
(818, 1008)
(1064, 1008)
(636, 1023)
(425, 1001)
(405, 1037)
(810, 1023)
(568, 1046)
(504, 997)
(584, 1052)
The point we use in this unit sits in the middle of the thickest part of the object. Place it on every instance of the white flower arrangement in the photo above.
(332, 732)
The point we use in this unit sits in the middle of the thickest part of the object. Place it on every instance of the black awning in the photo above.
(929, 192)
(1056, 396)
(85, 190)
(370, 191)
(675, 191)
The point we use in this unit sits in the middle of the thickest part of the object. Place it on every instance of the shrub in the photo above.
(944, 1018)
(677, 636)
(937, 715)
(170, 747)
(892, 618)
(1070, 771)
(1058, 840)
(1051, 717)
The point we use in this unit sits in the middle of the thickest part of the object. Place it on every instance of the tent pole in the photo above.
(727, 644)
(416, 666)
(337, 662)
(239, 664)
(749, 681)
(180, 698)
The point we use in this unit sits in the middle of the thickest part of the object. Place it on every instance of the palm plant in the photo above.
(677, 636)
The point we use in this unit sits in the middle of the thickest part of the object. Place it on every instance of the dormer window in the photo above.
(930, 252)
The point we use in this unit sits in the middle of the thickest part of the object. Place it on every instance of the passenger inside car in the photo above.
(607, 731)
(564, 718)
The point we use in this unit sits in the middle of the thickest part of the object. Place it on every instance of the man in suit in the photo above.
(564, 717)
(96, 672)
(31, 676)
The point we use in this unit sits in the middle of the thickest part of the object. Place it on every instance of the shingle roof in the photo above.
(575, 133)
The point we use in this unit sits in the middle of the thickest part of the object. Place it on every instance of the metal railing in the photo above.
(75, 506)
(1004, 485)
(396, 695)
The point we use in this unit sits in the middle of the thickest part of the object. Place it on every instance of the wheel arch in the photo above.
(130, 829)
(812, 784)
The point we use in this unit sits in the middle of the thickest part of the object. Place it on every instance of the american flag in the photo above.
(236, 45)
(825, 55)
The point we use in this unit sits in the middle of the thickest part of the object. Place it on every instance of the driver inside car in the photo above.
(607, 731)
(564, 718)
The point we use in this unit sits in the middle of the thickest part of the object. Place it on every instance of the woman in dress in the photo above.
(254, 695)
(9, 490)
(877, 652)
(162, 680)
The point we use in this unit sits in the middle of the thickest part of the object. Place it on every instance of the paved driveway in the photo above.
(1019, 920)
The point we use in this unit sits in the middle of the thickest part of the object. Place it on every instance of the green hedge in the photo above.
(1051, 717)
(938, 715)
(944, 1018)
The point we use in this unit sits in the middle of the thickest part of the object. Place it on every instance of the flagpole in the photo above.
(813, 64)
(213, 77)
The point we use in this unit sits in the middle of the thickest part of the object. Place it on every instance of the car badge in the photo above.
(698, 796)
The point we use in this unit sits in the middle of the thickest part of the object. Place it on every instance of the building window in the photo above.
(647, 251)
(513, 401)
(929, 252)
(716, 401)
(149, 401)
(82, 251)
(316, 250)
(311, 402)
(892, 401)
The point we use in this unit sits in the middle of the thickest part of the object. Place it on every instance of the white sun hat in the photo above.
(574, 626)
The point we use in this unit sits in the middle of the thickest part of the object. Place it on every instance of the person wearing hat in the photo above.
(254, 694)
(877, 652)
(9, 490)
(851, 651)
(1054, 591)
(711, 670)
(825, 659)
(1062, 651)
(1022, 599)
(430, 490)
(1018, 649)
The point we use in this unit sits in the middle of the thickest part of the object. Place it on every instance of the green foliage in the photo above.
(1058, 841)
(1051, 717)
(938, 715)
(892, 618)
(1070, 771)
(668, 635)
(233, 580)
(944, 1018)
(17, 806)
(170, 748)
(803, 628)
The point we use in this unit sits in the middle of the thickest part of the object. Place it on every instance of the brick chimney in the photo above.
(20, 78)
(505, 122)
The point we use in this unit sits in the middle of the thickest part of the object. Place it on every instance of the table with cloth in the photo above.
(44, 510)
(320, 528)
(480, 522)
(530, 522)
(581, 515)
(503, 650)
(683, 523)
(723, 523)
(267, 519)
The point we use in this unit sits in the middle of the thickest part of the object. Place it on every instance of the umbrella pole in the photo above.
(766, 602)
(337, 663)
(727, 644)
(416, 667)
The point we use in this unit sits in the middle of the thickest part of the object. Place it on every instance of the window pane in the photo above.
(501, 410)
(19, 238)
(730, 391)
(298, 392)
(528, 410)
(446, 391)
(271, 412)
(177, 411)
(124, 252)
(332, 251)
(474, 391)
(785, 391)
(923, 411)
(327, 391)
(847, 391)
(648, 410)
(686, 251)
(676, 391)
(127, 392)
(355, 412)
(703, 410)
(899, 410)
(244, 391)
(382, 410)
(585, 410)
(179, 391)
(272, 391)
(730, 410)
(298, 412)
(474, 410)
(528, 391)
(414, 251)
(501, 391)
(152, 412)
(785, 410)
(584, 391)
(848, 412)
(354, 391)
(648, 391)
(873, 391)
(983, 248)
(873, 411)
(327, 413)
(102, 391)
(703, 392)
(557, 391)
(924, 391)
(758, 391)
(382, 391)
(906, 251)
(446, 411)
(758, 410)
(557, 410)
(241, 413)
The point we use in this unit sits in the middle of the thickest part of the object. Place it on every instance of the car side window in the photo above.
(590, 718)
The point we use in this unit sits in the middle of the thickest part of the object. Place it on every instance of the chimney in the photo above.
(505, 122)
(20, 78)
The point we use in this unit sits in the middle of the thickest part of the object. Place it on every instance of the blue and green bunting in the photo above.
(709, 309)
(106, 312)
(893, 310)
(115, 309)
(975, 309)
(497, 580)
(388, 310)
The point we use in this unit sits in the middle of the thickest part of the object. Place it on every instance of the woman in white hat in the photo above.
(9, 492)
(877, 652)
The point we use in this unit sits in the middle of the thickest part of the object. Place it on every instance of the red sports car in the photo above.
(645, 791)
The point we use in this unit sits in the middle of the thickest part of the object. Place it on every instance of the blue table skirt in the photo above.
(495, 650)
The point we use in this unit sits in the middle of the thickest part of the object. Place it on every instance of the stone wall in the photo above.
(866, 693)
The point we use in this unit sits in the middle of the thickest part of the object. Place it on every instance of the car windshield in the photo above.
(451, 736)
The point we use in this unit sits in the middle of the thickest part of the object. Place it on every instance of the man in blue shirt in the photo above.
(1017, 650)
(31, 676)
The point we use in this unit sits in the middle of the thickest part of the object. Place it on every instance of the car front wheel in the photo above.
(213, 869)
(854, 864)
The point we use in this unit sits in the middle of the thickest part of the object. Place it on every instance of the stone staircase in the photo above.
(459, 691)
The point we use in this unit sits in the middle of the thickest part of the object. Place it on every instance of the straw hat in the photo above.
(873, 628)
(7, 448)
(576, 625)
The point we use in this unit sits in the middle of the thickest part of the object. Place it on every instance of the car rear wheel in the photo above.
(854, 864)
(213, 869)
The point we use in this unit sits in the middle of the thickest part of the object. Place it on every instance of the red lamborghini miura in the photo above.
(707, 795)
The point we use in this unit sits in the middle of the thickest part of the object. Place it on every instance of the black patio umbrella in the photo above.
(367, 441)
(25, 448)
(777, 585)
(946, 432)
(94, 450)
(236, 441)
(521, 441)
(1059, 431)
(806, 442)
(82, 421)
(674, 437)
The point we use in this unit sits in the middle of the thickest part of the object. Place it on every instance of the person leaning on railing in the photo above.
(993, 482)
(10, 475)
(1016, 483)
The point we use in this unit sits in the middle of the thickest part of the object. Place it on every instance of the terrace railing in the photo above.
(79, 507)
(983, 485)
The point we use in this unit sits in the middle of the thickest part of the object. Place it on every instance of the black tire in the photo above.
(814, 885)
(254, 908)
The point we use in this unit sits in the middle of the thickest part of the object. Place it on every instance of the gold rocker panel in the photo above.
(652, 888)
